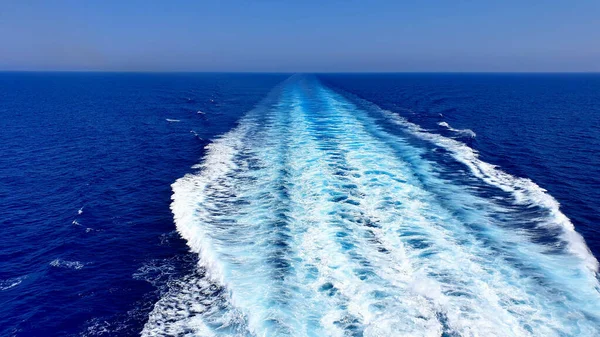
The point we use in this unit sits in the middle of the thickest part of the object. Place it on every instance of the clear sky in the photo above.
(300, 36)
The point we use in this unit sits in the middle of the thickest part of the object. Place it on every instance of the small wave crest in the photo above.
(464, 132)
(11, 282)
(59, 263)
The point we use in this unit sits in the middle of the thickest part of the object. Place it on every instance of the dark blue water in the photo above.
(100, 143)
(87, 161)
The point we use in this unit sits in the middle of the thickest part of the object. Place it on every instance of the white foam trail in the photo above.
(310, 219)
(568, 274)
(524, 190)
(172, 120)
(464, 132)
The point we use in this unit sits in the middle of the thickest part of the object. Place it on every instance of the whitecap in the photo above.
(59, 263)
(463, 132)
(11, 282)
(196, 135)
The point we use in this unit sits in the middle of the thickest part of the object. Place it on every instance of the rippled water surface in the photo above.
(304, 205)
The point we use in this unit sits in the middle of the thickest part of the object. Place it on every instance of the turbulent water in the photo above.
(325, 205)
(321, 214)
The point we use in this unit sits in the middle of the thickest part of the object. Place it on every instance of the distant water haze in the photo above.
(307, 36)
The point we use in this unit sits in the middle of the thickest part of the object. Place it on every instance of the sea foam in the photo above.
(312, 218)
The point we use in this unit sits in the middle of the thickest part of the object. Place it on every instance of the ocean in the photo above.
(199, 204)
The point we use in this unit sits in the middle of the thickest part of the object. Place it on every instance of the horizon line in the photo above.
(290, 72)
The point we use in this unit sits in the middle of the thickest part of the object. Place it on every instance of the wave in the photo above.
(11, 282)
(464, 132)
(318, 215)
(59, 263)
(524, 190)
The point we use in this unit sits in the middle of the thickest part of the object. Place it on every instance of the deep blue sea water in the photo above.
(337, 204)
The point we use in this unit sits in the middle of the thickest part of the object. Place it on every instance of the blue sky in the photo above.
(300, 36)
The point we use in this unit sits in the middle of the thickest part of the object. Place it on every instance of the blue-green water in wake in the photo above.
(302, 205)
